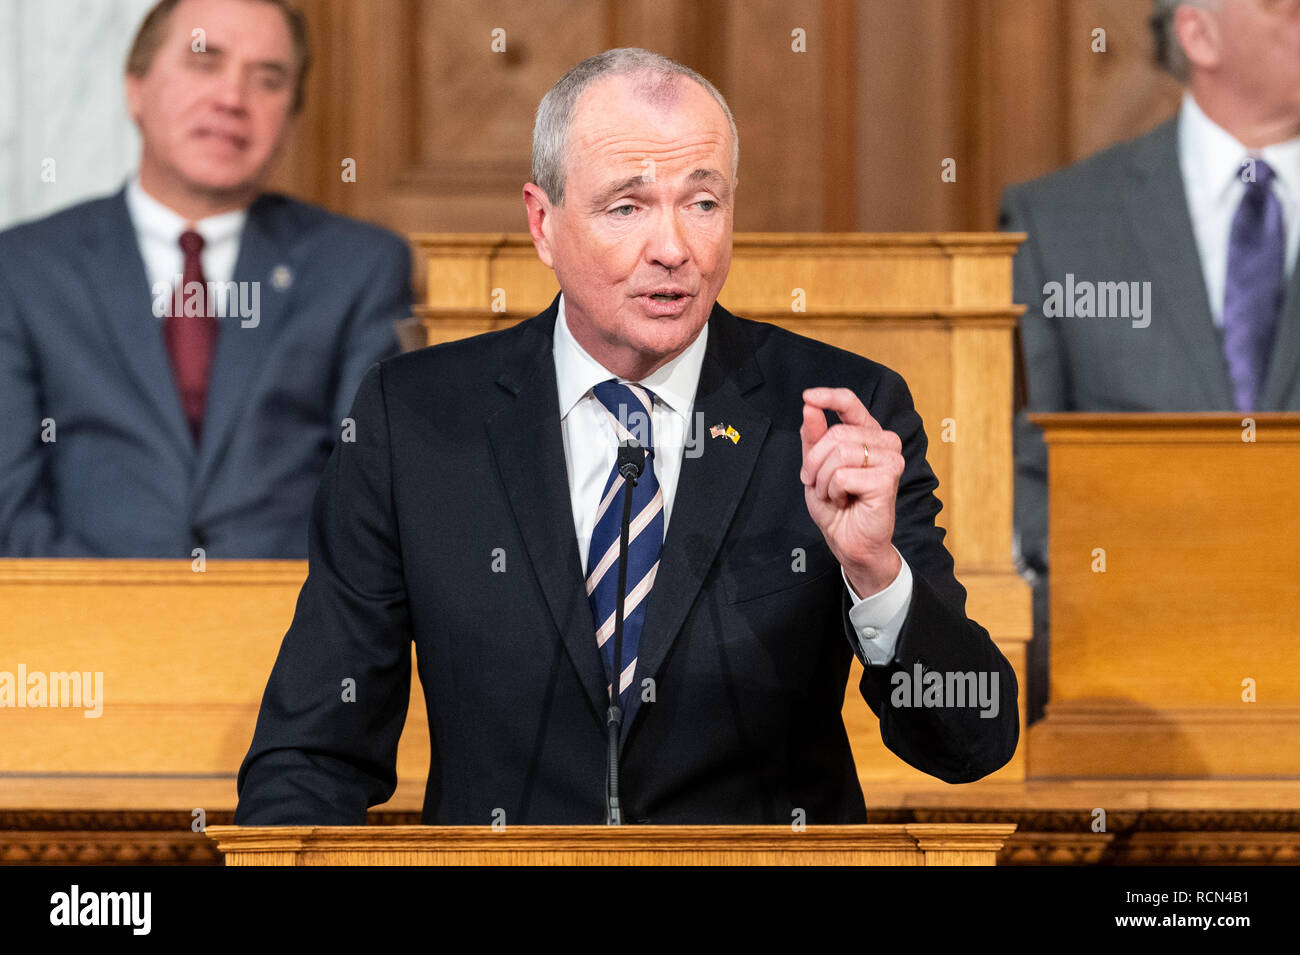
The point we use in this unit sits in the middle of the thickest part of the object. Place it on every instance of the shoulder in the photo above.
(792, 362)
(787, 362)
(464, 366)
(328, 231)
(59, 231)
(1098, 175)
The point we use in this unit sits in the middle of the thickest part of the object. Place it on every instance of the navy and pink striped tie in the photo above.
(630, 408)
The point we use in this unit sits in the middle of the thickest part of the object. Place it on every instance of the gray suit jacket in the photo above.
(80, 347)
(1121, 216)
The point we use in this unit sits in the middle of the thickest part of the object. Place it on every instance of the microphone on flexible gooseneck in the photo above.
(631, 462)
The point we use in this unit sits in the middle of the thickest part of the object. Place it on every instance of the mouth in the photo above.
(664, 302)
(230, 139)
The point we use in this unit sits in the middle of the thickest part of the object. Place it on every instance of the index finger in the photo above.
(843, 402)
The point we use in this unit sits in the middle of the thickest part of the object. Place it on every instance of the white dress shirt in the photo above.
(1211, 160)
(158, 231)
(590, 448)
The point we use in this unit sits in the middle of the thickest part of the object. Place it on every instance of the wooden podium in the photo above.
(1175, 597)
(610, 845)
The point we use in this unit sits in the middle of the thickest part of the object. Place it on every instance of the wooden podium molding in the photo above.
(918, 844)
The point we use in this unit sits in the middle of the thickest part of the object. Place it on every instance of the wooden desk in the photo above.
(1174, 591)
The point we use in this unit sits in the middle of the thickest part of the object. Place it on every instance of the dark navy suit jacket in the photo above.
(80, 347)
(458, 465)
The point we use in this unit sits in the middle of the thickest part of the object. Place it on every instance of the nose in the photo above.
(231, 92)
(667, 246)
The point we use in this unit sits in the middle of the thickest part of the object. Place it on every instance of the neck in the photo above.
(193, 204)
(1246, 119)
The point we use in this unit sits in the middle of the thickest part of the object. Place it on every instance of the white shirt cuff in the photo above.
(878, 620)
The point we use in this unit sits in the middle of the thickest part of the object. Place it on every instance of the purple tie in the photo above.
(1253, 297)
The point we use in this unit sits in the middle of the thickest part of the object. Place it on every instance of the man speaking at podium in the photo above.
(765, 547)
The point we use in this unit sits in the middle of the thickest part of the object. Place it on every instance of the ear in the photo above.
(133, 95)
(540, 218)
(1197, 31)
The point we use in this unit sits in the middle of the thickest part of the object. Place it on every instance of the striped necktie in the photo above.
(630, 409)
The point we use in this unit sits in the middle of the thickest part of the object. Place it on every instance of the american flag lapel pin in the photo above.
(724, 431)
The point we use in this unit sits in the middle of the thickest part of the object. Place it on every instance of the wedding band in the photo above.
(866, 456)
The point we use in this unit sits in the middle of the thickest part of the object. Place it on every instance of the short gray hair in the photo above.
(555, 112)
(1169, 52)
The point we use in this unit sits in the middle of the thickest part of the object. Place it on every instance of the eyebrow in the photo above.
(275, 66)
(278, 66)
(710, 176)
(713, 178)
(612, 191)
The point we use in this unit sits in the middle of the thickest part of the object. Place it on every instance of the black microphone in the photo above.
(631, 462)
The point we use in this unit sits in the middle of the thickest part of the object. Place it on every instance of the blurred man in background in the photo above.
(1158, 275)
(177, 360)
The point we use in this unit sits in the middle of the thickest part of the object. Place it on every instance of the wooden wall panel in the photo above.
(908, 120)
(847, 136)
(775, 97)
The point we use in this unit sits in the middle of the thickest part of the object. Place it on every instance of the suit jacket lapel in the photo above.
(1284, 366)
(1157, 208)
(529, 451)
(708, 491)
(241, 350)
(118, 282)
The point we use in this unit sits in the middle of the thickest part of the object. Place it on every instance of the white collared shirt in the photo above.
(158, 232)
(1211, 161)
(590, 448)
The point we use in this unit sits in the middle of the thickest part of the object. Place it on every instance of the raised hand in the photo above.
(850, 475)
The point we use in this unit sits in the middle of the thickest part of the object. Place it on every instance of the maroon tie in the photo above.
(191, 335)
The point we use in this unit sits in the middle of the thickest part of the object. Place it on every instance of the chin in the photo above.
(222, 180)
(669, 339)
